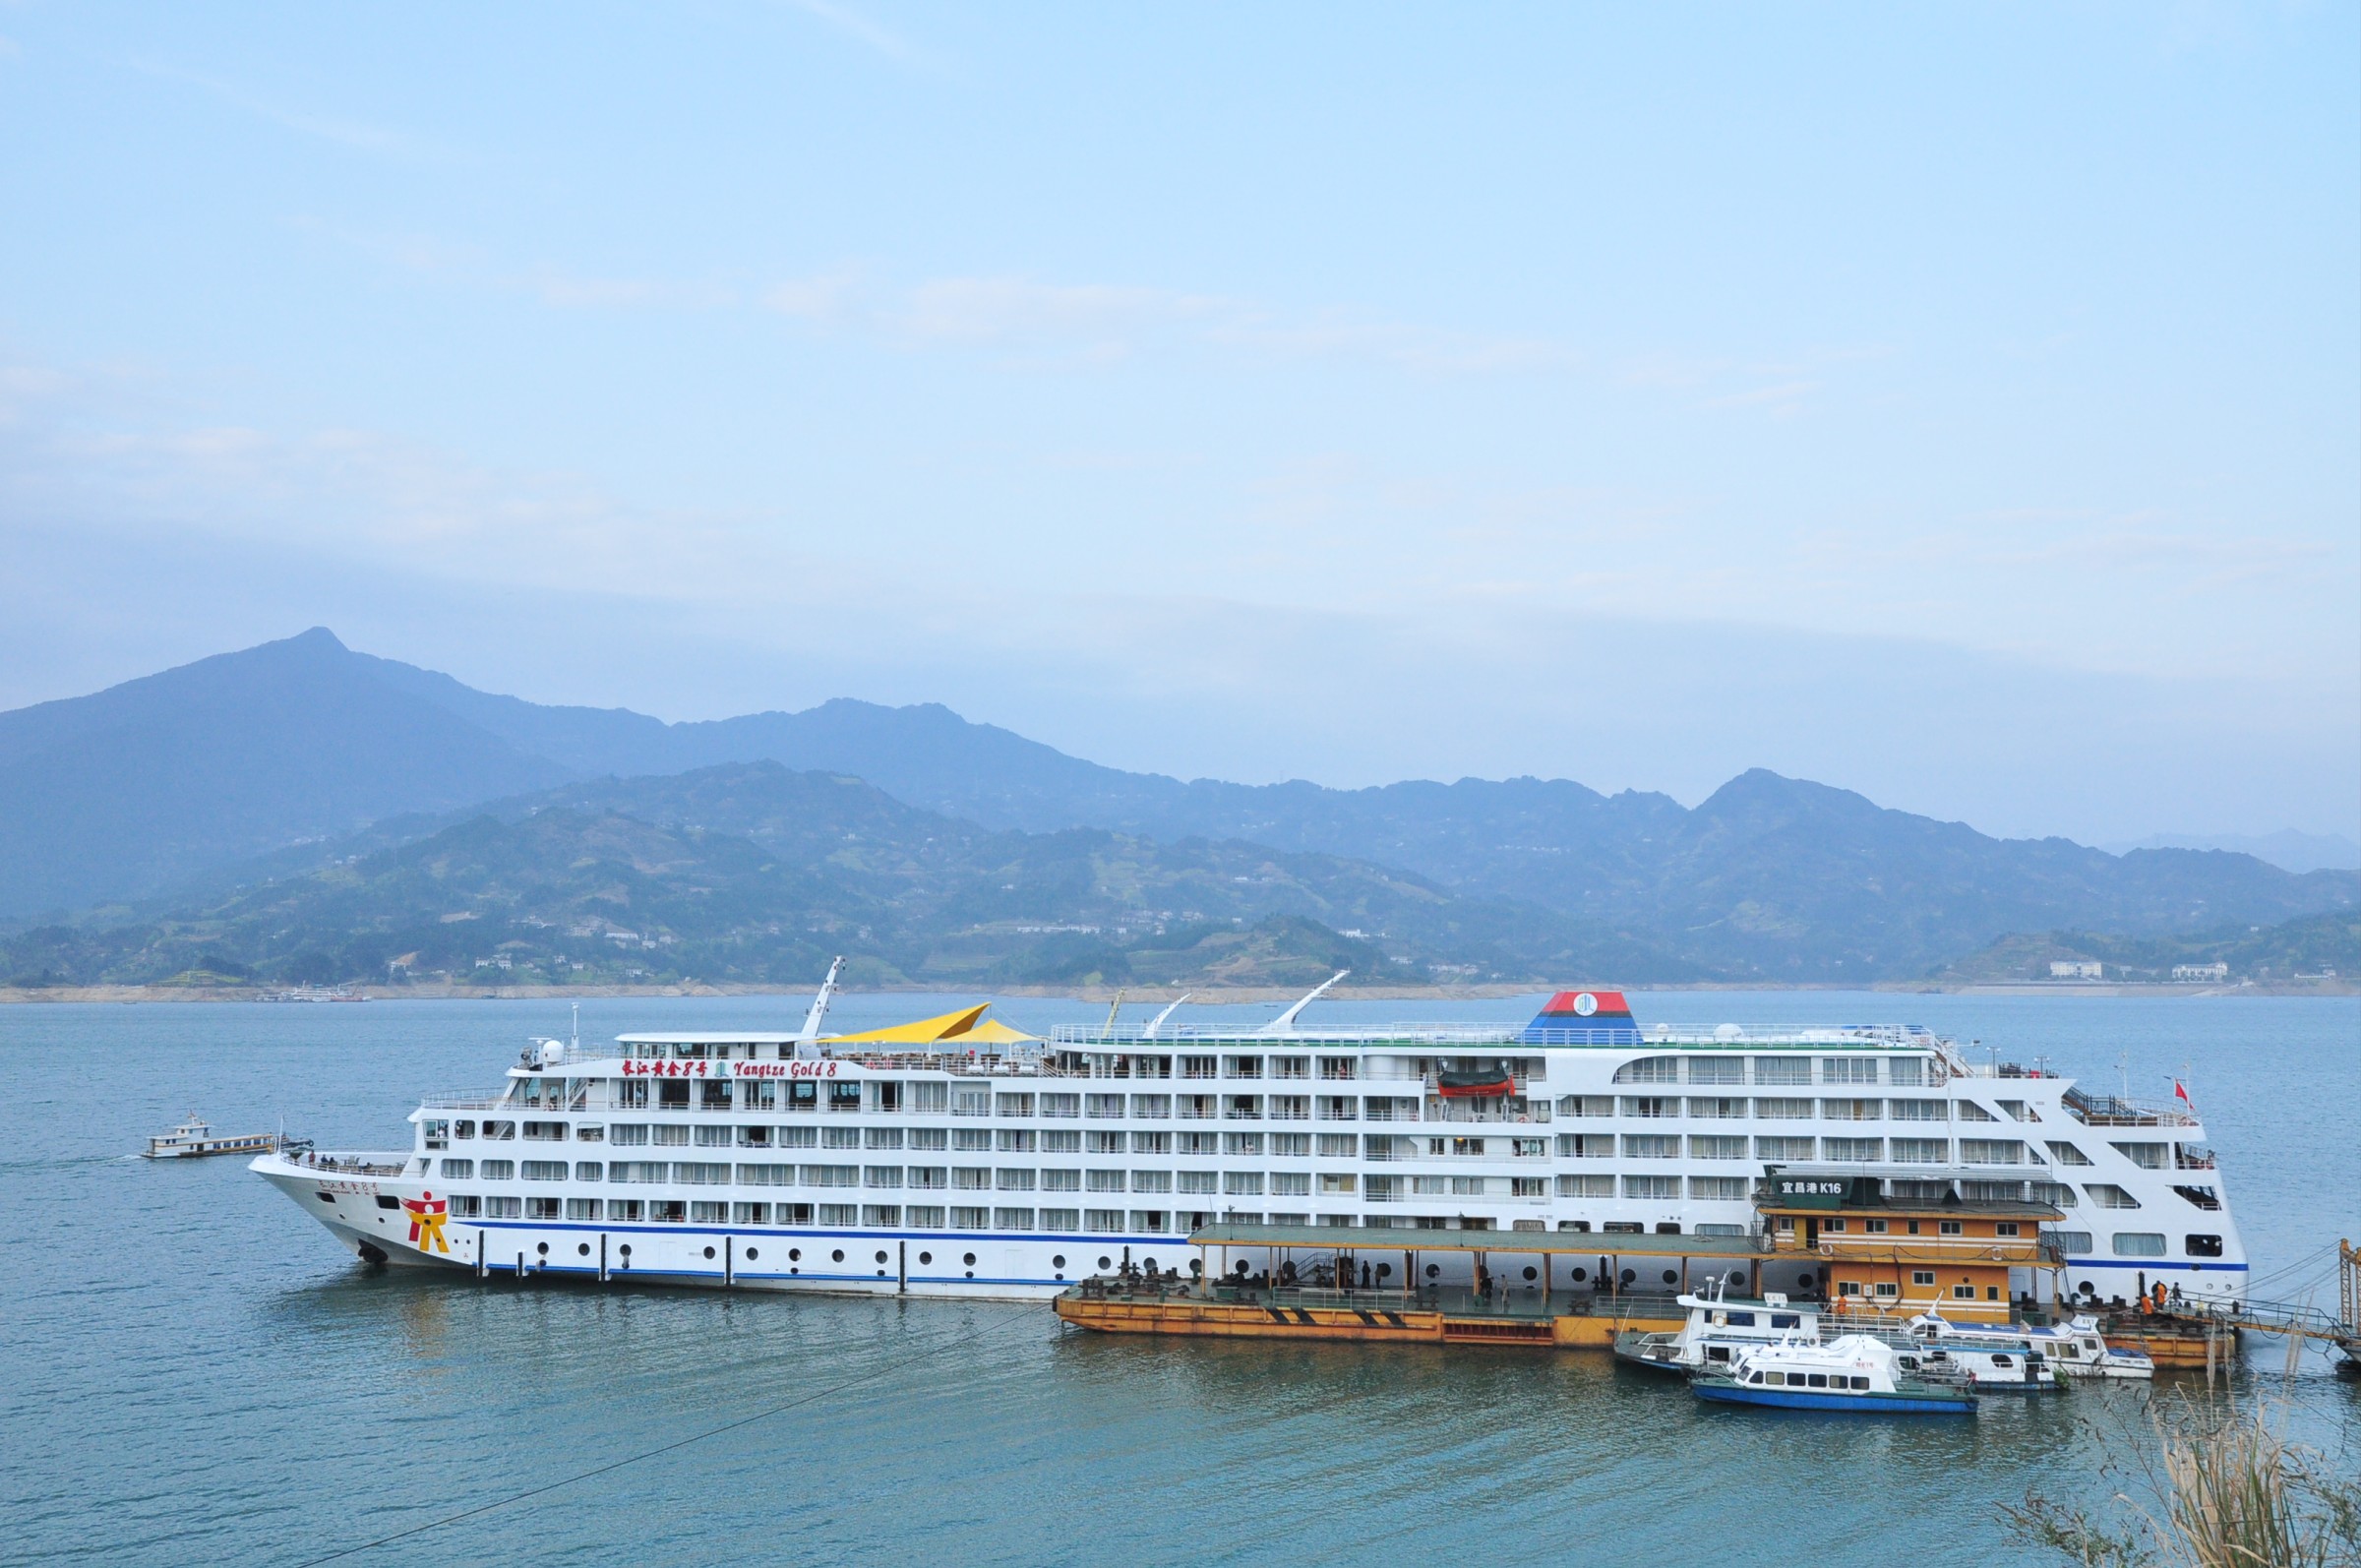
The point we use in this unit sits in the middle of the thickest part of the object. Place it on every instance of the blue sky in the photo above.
(1957, 404)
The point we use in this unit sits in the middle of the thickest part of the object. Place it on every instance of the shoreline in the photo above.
(132, 995)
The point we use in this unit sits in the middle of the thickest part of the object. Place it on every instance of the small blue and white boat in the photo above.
(1855, 1375)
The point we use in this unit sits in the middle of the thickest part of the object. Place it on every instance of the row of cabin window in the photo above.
(1656, 1188)
(979, 1178)
(894, 1216)
(1903, 1071)
(1920, 1280)
(2140, 1243)
(1022, 1140)
(1831, 1380)
(1136, 1222)
(1229, 1184)
(1766, 1108)
(1656, 1146)
(1157, 1107)
(959, 1100)
(1839, 1224)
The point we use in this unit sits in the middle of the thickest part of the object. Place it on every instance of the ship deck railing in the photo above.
(1491, 1035)
(347, 1165)
(2109, 1111)
(465, 1100)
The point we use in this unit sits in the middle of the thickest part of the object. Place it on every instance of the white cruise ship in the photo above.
(957, 1156)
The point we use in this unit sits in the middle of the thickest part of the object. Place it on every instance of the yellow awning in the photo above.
(968, 1027)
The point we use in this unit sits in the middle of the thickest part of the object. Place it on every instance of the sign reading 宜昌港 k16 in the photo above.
(1811, 1192)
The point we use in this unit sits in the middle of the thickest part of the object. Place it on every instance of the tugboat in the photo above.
(1855, 1374)
(194, 1137)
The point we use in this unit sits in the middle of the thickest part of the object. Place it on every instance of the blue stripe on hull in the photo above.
(1827, 1400)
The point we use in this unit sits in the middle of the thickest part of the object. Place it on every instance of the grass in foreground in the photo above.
(2219, 1488)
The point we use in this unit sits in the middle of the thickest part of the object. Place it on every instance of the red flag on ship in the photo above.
(2181, 1093)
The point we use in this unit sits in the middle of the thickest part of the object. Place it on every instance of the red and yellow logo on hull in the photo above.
(426, 1215)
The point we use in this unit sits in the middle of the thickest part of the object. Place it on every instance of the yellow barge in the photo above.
(1540, 1290)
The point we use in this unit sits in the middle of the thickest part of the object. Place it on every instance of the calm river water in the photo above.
(195, 1373)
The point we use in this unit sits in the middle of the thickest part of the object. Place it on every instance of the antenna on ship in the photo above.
(808, 1035)
(576, 1048)
(1287, 1020)
(1115, 1008)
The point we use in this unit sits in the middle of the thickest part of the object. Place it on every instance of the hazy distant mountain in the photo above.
(752, 873)
(2286, 849)
(154, 783)
(119, 795)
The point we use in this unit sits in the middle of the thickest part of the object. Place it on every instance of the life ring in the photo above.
(1828, 1249)
(1998, 1253)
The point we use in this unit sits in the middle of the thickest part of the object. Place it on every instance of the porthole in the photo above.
(1803, 1281)
(542, 1248)
(708, 1252)
(1532, 1273)
(1630, 1275)
(971, 1274)
(1196, 1265)
(627, 1249)
(1434, 1270)
(1058, 1261)
(836, 1256)
(1108, 1263)
(1384, 1270)
(1581, 1275)
(969, 1259)
(881, 1274)
(795, 1271)
(1061, 1276)
(752, 1254)
(1150, 1265)
(1670, 1276)
(795, 1254)
(583, 1249)
(880, 1254)
(926, 1257)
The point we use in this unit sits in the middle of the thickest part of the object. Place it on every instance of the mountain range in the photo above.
(160, 797)
(753, 873)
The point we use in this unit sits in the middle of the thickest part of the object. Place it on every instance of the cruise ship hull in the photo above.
(853, 1262)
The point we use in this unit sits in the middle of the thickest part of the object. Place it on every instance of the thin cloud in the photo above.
(569, 292)
(852, 24)
(344, 133)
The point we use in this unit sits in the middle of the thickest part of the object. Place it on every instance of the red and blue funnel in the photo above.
(1583, 1018)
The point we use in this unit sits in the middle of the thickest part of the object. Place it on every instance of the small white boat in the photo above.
(1718, 1327)
(2078, 1350)
(194, 1138)
(1856, 1373)
(1991, 1359)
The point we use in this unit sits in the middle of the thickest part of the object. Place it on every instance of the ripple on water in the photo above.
(195, 1373)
